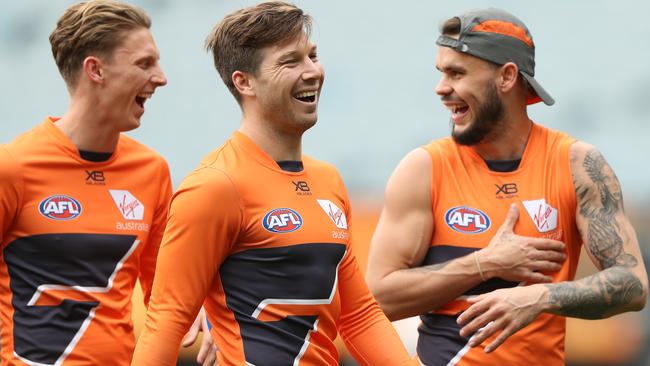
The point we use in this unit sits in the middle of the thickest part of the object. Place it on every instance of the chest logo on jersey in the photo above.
(467, 220)
(544, 216)
(60, 207)
(334, 213)
(95, 177)
(506, 190)
(129, 206)
(282, 220)
(301, 188)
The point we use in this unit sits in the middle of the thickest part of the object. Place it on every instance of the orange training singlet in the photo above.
(469, 203)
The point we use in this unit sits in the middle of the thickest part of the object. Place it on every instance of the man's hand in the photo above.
(207, 355)
(519, 258)
(505, 311)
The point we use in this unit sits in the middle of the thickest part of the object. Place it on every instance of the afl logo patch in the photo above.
(60, 207)
(467, 220)
(282, 220)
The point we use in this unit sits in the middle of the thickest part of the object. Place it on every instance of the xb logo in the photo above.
(301, 185)
(95, 177)
(507, 189)
(301, 188)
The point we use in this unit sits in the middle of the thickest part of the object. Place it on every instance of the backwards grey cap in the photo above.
(500, 37)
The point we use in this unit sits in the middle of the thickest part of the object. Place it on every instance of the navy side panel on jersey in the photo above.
(442, 253)
(439, 339)
(56, 262)
(257, 279)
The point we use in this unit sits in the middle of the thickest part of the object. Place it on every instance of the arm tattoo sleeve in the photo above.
(604, 240)
(600, 201)
(596, 296)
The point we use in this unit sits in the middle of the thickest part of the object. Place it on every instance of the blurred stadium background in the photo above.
(378, 103)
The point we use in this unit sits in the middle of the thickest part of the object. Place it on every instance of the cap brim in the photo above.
(542, 95)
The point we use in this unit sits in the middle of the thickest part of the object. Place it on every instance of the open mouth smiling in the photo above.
(306, 96)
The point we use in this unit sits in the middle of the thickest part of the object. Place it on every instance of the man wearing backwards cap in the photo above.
(476, 283)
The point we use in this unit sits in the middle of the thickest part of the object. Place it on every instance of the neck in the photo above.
(509, 142)
(88, 128)
(280, 145)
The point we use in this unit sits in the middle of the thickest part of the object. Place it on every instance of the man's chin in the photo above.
(459, 140)
(460, 134)
(310, 120)
(308, 124)
(131, 126)
(466, 137)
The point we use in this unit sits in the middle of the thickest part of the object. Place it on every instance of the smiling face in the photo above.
(131, 75)
(467, 88)
(287, 85)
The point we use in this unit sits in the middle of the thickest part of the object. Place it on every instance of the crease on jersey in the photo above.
(303, 349)
(464, 350)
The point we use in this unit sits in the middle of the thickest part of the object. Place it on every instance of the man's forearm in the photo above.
(609, 292)
(417, 290)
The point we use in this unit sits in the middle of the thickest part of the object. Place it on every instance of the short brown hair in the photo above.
(236, 40)
(451, 27)
(92, 27)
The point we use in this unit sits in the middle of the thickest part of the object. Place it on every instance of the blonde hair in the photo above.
(236, 40)
(94, 27)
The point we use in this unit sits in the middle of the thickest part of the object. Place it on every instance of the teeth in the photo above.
(144, 95)
(306, 94)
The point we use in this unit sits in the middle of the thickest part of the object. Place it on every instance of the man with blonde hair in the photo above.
(260, 231)
(82, 206)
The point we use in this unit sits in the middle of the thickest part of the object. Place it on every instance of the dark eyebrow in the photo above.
(147, 58)
(452, 68)
(295, 53)
(288, 55)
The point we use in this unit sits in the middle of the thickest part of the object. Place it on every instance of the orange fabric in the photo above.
(505, 28)
(259, 285)
(44, 163)
(461, 178)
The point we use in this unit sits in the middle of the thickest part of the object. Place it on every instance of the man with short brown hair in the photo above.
(476, 283)
(260, 231)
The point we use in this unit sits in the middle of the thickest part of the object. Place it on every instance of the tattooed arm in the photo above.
(621, 285)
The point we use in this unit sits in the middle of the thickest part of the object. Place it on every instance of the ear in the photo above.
(244, 83)
(92, 67)
(508, 74)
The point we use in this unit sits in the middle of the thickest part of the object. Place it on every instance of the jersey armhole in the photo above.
(434, 151)
(566, 168)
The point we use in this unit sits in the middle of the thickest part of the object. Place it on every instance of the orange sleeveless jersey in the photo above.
(269, 250)
(469, 203)
(75, 237)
